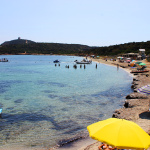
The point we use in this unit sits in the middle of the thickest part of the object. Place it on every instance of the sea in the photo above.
(47, 105)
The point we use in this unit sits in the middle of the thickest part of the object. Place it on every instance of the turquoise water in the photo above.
(43, 104)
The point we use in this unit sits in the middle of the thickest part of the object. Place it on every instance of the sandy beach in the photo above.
(137, 110)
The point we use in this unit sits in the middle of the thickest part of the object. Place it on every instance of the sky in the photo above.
(86, 22)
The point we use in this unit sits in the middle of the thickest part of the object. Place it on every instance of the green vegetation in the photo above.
(44, 48)
(21, 46)
(121, 49)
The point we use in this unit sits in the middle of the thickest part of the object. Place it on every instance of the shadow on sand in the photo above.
(145, 115)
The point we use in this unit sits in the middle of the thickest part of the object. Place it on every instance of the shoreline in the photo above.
(129, 113)
(126, 113)
(92, 144)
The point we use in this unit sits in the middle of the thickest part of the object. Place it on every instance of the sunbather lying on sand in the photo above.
(105, 147)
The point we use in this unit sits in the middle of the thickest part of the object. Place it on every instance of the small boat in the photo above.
(4, 60)
(139, 71)
(84, 61)
(79, 62)
(56, 61)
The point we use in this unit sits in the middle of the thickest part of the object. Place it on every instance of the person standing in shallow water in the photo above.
(117, 66)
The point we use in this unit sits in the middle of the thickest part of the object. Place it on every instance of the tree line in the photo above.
(44, 48)
(74, 49)
(121, 49)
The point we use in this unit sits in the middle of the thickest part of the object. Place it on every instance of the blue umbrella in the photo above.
(1, 112)
(145, 89)
(142, 64)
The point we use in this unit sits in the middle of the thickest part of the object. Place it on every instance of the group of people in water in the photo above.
(74, 66)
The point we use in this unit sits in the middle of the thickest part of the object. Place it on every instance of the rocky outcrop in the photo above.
(136, 96)
(132, 108)
(136, 106)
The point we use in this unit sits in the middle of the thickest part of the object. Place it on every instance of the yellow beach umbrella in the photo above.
(120, 133)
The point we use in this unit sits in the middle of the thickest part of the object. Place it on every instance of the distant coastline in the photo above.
(20, 46)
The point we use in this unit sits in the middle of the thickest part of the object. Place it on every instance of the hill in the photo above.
(17, 41)
(132, 47)
(21, 46)
(29, 47)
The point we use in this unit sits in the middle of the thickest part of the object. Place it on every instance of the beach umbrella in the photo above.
(119, 133)
(142, 64)
(138, 62)
(1, 111)
(144, 89)
(119, 57)
(128, 60)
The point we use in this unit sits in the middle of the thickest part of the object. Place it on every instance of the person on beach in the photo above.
(105, 147)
